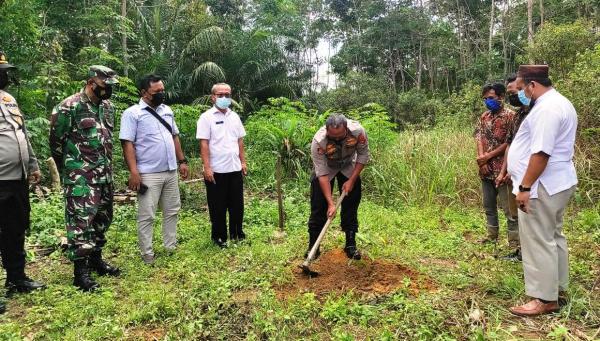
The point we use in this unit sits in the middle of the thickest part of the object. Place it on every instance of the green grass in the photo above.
(203, 292)
(421, 208)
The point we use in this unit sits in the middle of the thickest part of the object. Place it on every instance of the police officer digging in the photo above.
(81, 143)
(18, 165)
(339, 150)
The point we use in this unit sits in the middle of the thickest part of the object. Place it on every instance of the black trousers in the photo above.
(318, 205)
(226, 196)
(14, 222)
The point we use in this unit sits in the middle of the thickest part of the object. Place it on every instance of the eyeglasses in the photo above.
(223, 95)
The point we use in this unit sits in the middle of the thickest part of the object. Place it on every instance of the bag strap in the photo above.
(160, 119)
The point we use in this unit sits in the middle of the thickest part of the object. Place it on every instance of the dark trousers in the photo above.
(14, 222)
(226, 196)
(318, 205)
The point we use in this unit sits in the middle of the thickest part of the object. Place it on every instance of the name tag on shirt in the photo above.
(219, 122)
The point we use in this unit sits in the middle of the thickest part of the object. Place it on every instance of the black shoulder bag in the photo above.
(160, 119)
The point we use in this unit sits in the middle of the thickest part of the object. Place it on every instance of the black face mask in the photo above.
(4, 80)
(513, 99)
(158, 99)
(103, 93)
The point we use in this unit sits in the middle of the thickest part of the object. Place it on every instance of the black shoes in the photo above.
(81, 276)
(515, 256)
(102, 268)
(220, 243)
(350, 249)
(23, 284)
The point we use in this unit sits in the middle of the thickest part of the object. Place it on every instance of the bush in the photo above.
(281, 128)
(416, 107)
(559, 45)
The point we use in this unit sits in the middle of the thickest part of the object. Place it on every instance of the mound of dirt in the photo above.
(338, 274)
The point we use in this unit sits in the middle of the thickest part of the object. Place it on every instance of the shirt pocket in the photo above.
(148, 126)
(87, 128)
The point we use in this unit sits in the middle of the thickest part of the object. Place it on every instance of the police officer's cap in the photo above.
(4, 65)
(105, 73)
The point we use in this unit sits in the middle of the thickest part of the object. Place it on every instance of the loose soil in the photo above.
(338, 274)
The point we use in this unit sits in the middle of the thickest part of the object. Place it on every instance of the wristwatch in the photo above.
(524, 189)
(182, 161)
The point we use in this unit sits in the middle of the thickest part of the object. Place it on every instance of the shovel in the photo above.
(305, 265)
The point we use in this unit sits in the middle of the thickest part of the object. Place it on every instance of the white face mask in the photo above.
(223, 102)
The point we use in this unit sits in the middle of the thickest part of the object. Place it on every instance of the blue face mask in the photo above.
(524, 99)
(223, 102)
(492, 104)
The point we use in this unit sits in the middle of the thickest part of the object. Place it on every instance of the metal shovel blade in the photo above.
(307, 271)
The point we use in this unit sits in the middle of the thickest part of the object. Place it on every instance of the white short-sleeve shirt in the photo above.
(222, 130)
(550, 127)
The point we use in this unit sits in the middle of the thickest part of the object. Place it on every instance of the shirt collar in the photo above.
(84, 97)
(217, 111)
(547, 94)
(143, 105)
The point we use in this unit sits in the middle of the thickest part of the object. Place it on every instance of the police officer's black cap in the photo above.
(4, 65)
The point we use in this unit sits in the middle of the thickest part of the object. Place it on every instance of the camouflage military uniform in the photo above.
(81, 144)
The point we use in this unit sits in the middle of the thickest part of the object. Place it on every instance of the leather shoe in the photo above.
(535, 307)
(23, 285)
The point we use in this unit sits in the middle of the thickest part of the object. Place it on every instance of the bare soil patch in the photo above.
(338, 274)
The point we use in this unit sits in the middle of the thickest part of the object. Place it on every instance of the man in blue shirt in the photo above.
(152, 150)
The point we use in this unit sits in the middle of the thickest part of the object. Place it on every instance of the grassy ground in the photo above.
(202, 292)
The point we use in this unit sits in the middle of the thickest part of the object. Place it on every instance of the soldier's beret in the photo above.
(4, 65)
(533, 71)
(105, 73)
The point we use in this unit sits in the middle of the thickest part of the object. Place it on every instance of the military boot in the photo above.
(20, 283)
(350, 248)
(312, 239)
(81, 274)
(96, 263)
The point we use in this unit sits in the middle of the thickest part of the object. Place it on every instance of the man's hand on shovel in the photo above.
(331, 210)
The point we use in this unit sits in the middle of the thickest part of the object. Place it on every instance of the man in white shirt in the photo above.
(221, 134)
(540, 162)
(153, 153)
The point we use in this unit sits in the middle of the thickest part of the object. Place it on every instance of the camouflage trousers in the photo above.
(88, 214)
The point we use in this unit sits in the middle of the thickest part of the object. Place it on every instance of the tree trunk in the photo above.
(420, 66)
(278, 172)
(490, 39)
(124, 38)
(530, 26)
(541, 13)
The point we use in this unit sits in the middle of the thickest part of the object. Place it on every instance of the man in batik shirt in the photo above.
(491, 134)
